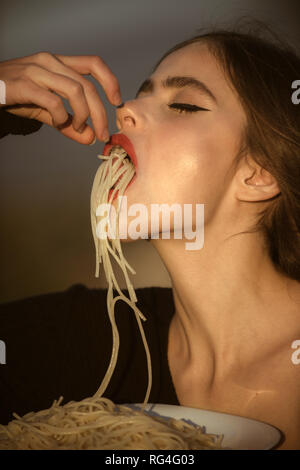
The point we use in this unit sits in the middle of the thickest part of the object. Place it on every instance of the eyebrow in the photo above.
(177, 82)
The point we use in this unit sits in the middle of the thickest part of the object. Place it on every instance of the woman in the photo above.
(234, 147)
(227, 138)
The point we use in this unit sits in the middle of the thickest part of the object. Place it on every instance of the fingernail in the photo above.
(94, 141)
(105, 136)
(81, 128)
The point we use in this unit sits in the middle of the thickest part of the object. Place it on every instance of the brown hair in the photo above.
(262, 72)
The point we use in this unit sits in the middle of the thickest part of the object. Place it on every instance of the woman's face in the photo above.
(183, 157)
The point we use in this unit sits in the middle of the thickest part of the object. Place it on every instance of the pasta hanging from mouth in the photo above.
(96, 422)
(116, 171)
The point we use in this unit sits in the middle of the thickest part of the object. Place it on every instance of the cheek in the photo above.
(216, 148)
(187, 162)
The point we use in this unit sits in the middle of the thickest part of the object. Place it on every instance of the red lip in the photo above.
(123, 141)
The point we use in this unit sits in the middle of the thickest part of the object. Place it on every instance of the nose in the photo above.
(128, 115)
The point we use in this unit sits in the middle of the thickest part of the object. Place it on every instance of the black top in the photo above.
(60, 344)
(13, 124)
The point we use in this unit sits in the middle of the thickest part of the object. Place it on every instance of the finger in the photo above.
(56, 113)
(66, 87)
(87, 137)
(96, 67)
(95, 106)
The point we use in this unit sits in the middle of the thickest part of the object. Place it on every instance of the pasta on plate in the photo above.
(99, 424)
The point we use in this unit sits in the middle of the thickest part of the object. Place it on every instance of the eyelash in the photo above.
(186, 108)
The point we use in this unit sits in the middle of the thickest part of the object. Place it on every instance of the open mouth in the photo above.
(121, 147)
(117, 152)
(121, 142)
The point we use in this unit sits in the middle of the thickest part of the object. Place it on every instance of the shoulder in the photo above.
(48, 305)
(51, 313)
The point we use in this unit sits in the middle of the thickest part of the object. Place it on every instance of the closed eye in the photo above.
(186, 108)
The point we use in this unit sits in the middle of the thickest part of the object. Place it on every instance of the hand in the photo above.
(34, 83)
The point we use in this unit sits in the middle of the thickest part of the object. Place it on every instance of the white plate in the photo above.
(239, 433)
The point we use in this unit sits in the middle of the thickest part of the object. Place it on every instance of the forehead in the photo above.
(197, 61)
(194, 59)
(198, 50)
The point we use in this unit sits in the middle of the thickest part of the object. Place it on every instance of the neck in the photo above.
(227, 296)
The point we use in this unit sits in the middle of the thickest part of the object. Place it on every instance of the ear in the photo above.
(253, 183)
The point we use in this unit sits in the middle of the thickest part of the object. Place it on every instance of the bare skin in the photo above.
(236, 316)
(36, 83)
(250, 371)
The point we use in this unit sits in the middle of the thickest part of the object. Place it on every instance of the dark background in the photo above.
(45, 179)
